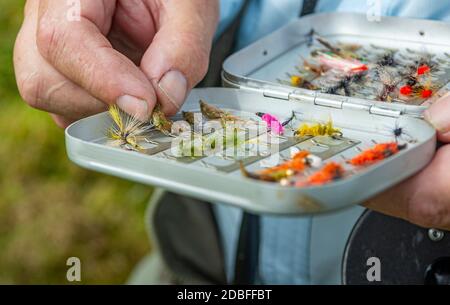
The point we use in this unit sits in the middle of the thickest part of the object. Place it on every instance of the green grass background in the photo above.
(50, 209)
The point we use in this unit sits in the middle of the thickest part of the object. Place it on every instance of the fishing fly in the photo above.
(318, 129)
(161, 122)
(376, 154)
(389, 84)
(214, 113)
(274, 124)
(126, 131)
(329, 173)
(299, 162)
(400, 133)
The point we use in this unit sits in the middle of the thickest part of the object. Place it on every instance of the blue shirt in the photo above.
(285, 250)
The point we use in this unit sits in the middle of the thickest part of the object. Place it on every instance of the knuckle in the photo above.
(30, 89)
(427, 214)
(48, 38)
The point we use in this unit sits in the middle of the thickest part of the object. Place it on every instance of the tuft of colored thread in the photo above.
(406, 90)
(273, 123)
(426, 93)
(296, 80)
(423, 69)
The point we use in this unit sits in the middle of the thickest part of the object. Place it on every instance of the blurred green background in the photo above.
(50, 209)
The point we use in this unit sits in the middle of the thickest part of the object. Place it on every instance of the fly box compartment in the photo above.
(298, 143)
(343, 135)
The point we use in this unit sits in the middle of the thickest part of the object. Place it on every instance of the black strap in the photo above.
(309, 7)
(247, 257)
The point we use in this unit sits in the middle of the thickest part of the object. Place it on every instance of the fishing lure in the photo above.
(400, 133)
(329, 173)
(200, 145)
(189, 117)
(335, 62)
(127, 131)
(347, 51)
(299, 162)
(301, 82)
(318, 129)
(273, 123)
(345, 84)
(422, 91)
(161, 122)
(214, 113)
(316, 70)
(387, 60)
(389, 84)
(378, 153)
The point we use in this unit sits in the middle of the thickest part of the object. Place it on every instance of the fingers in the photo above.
(423, 199)
(81, 52)
(61, 121)
(40, 85)
(178, 56)
(438, 115)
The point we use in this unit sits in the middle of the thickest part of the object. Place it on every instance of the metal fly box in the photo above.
(255, 73)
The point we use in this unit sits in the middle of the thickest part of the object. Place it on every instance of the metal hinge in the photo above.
(278, 94)
(319, 99)
(385, 112)
(333, 103)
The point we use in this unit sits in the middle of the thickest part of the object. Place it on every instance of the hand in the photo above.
(425, 198)
(129, 53)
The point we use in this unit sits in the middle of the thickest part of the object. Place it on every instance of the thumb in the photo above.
(438, 115)
(178, 56)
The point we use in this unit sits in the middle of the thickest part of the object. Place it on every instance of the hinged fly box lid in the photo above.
(265, 66)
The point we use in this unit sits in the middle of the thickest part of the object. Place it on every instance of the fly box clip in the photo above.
(322, 114)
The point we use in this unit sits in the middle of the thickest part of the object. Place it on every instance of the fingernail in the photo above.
(174, 86)
(134, 106)
(438, 115)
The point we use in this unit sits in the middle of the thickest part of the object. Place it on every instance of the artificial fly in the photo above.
(189, 117)
(347, 51)
(301, 82)
(299, 162)
(378, 153)
(273, 123)
(127, 131)
(214, 113)
(329, 173)
(345, 84)
(161, 122)
(389, 84)
(318, 129)
(334, 62)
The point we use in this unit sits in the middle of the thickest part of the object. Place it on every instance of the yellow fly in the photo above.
(318, 129)
(127, 131)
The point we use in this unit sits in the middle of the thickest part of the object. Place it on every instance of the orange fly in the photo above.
(285, 170)
(329, 173)
(378, 153)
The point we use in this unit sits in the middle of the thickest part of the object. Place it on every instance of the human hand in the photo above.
(425, 198)
(129, 53)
